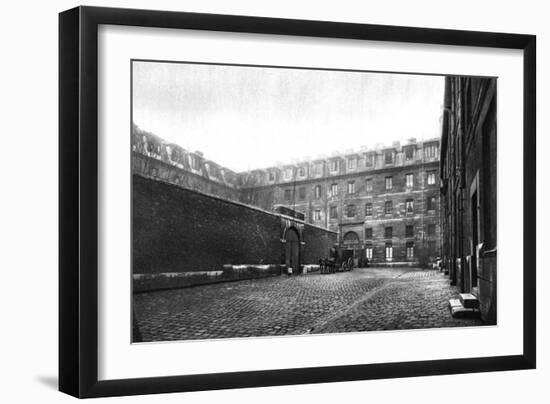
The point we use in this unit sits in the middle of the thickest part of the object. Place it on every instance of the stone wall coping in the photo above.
(234, 202)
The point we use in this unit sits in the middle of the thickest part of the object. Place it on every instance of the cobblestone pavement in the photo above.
(361, 300)
(417, 299)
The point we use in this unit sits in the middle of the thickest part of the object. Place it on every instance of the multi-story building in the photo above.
(469, 188)
(383, 202)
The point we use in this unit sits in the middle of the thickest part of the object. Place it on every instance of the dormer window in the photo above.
(409, 153)
(388, 157)
(318, 169)
(352, 163)
(431, 150)
(194, 162)
(288, 173)
(334, 165)
(369, 160)
(302, 172)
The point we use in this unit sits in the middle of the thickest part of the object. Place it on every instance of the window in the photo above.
(430, 151)
(351, 211)
(389, 251)
(317, 191)
(369, 160)
(368, 252)
(334, 165)
(389, 183)
(431, 178)
(410, 249)
(333, 189)
(318, 169)
(368, 232)
(388, 232)
(388, 157)
(409, 153)
(302, 193)
(288, 194)
(351, 187)
(317, 214)
(333, 212)
(352, 163)
(271, 176)
(302, 171)
(409, 206)
(409, 180)
(431, 203)
(409, 231)
(368, 209)
(388, 207)
(288, 173)
(431, 229)
(194, 162)
(368, 184)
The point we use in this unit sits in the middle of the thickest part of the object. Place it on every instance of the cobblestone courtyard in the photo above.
(364, 299)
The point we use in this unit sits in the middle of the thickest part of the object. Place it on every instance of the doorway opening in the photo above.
(475, 238)
(292, 250)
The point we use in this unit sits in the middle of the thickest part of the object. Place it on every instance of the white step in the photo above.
(469, 301)
(459, 311)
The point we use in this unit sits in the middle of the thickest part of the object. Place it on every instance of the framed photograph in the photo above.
(250, 201)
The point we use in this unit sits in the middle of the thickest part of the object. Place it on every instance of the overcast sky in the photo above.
(251, 117)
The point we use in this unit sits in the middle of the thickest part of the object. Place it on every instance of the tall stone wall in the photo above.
(177, 230)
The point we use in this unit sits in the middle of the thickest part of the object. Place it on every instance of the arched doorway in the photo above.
(351, 243)
(292, 250)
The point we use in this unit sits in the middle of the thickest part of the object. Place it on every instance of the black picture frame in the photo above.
(78, 201)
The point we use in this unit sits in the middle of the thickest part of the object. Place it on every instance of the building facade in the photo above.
(383, 202)
(469, 189)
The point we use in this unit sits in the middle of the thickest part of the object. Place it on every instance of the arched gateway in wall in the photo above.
(292, 249)
(351, 238)
(351, 246)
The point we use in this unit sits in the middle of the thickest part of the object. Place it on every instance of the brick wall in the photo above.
(180, 230)
(469, 191)
(317, 244)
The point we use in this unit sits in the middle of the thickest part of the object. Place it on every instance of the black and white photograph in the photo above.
(272, 201)
(275, 202)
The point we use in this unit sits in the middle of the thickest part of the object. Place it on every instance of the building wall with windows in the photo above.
(383, 202)
(154, 158)
(469, 188)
